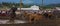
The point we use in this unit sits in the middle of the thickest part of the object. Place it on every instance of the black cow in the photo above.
(46, 15)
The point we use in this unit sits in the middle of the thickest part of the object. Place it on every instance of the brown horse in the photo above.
(33, 17)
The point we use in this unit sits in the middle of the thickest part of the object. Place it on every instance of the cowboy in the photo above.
(13, 14)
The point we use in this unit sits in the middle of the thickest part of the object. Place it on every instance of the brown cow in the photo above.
(33, 17)
(48, 15)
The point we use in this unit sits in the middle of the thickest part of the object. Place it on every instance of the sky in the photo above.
(33, 1)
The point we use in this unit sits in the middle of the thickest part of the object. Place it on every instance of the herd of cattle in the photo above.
(34, 14)
(5, 12)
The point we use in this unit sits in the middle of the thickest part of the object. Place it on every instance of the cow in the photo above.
(33, 17)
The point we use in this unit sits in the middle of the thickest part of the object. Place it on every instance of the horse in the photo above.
(12, 13)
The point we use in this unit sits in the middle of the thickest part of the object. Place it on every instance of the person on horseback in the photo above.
(13, 14)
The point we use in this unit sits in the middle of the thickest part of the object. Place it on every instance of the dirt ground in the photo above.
(44, 22)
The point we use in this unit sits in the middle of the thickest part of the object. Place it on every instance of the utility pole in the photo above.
(20, 5)
(42, 3)
(41, 7)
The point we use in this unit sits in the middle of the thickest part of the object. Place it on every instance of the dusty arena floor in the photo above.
(44, 22)
(32, 24)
